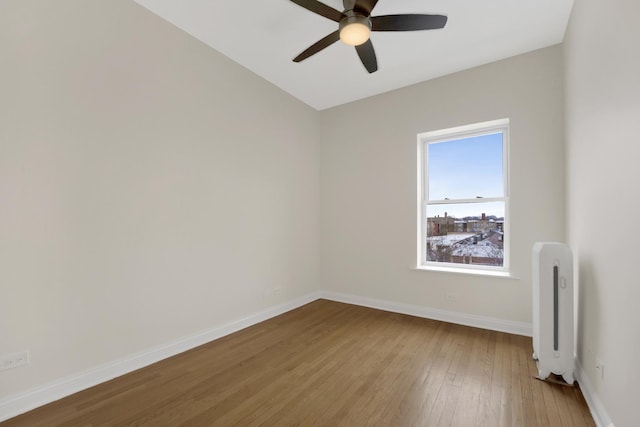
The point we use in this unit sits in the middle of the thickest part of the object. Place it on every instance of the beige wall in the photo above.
(149, 187)
(368, 202)
(602, 67)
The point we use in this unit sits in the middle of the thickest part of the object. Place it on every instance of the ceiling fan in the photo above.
(355, 24)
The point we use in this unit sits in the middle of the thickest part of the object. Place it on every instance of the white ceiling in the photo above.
(265, 35)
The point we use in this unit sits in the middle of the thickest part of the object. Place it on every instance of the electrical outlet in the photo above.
(277, 290)
(14, 360)
(600, 368)
(451, 297)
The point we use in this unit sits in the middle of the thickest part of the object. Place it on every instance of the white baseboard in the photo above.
(491, 323)
(596, 407)
(18, 404)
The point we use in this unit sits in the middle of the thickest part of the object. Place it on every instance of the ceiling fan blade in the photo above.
(368, 56)
(318, 46)
(320, 8)
(365, 6)
(407, 22)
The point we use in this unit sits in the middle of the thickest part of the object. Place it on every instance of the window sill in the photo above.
(468, 271)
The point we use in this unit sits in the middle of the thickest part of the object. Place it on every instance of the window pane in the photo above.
(466, 168)
(466, 233)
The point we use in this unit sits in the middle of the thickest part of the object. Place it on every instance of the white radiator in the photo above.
(553, 310)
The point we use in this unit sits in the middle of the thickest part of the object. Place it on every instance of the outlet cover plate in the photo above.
(10, 361)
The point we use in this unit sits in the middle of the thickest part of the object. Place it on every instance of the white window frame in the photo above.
(450, 134)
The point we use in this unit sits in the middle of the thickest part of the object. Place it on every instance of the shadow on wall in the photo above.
(588, 313)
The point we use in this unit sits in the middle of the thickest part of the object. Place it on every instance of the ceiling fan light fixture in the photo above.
(355, 30)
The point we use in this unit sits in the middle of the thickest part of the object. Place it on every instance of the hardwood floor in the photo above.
(332, 364)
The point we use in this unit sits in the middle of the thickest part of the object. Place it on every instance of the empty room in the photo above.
(319, 213)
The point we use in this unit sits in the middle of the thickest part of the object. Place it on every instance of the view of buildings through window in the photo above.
(464, 205)
(472, 239)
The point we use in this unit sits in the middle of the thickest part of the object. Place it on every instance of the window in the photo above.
(463, 197)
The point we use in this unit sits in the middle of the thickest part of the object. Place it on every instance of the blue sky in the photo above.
(464, 169)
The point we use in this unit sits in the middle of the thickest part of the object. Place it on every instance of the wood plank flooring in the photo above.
(332, 364)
